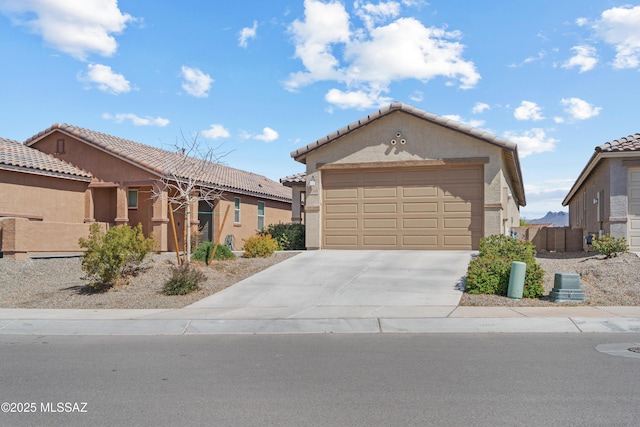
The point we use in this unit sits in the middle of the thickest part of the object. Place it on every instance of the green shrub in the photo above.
(486, 275)
(113, 254)
(260, 246)
(489, 272)
(610, 246)
(204, 250)
(290, 237)
(184, 280)
(505, 246)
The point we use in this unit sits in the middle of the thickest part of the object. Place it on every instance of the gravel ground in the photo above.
(57, 283)
(605, 282)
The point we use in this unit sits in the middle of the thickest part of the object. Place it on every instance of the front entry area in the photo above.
(434, 207)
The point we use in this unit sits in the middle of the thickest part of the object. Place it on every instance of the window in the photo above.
(236, 210)
(60, 146)
(601, 206)
(260, 215)
(132, 199)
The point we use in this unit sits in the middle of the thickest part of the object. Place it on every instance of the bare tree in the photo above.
(187, 181)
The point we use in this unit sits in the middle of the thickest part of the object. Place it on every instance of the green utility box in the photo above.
(516, 280)
(566, 287)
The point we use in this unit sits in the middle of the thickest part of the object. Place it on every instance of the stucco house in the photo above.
(605, 197)
(42, 203)
(125, 175)
(402, 178)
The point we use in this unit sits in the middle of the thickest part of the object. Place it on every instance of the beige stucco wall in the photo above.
(510, 213)
(42, 198)
(22, 238)
(583, 213)
(607, 183)
(424, 141)
(103, 166)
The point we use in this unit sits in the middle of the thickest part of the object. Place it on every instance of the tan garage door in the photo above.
(404, 208)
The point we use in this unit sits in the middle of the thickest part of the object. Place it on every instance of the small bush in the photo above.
(260, 246)
(486, 275)
(290, 237)
(505, 246)
(610, 246)
(204, 250)
(184, 280)
(489, 272)
(113, 254)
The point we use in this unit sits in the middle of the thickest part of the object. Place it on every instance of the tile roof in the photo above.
(510, 149)
(16, 156)
(399, 106)
(168, 163)
(627, 143)
(298, 178)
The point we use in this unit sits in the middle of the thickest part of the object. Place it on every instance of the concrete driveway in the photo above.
(347, 284)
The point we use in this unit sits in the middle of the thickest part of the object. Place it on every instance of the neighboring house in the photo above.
(126, 175)
(402, 178)
(43, 203)
(606, 196)
(297, 183)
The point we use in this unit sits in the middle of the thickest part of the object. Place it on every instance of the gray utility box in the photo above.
(566, 287)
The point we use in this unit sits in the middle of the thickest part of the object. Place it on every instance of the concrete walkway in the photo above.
(435, 319)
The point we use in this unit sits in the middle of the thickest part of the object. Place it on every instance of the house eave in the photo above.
(300, 154)
(47, 173)
(593, 162)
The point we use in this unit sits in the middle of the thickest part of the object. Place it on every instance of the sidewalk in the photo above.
(328, 319)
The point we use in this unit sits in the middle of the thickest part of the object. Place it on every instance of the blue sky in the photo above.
(258, 79)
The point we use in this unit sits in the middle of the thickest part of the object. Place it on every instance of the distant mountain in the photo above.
(556, 219)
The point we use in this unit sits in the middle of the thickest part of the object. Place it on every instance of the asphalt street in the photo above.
(321, 380)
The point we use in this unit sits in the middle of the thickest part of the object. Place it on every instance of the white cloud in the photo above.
(581, 22)
(105, 79)
(76, 28)
(541, 54)
(528, 111)
(417, 96)
(549, 186)
(247, 33)
(580, 109)
(356, 99)
(480, 108)
(411, 51)
(374, 56)
(474, 123)
(538, 57)
(585, 58)
(136, 120)
(620, 27)
(196, 82)
(216, 131)
(531, 141)
(372, 14)
(558, 119)
(268, 135)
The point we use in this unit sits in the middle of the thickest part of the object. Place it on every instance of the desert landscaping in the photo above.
(57, 282)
